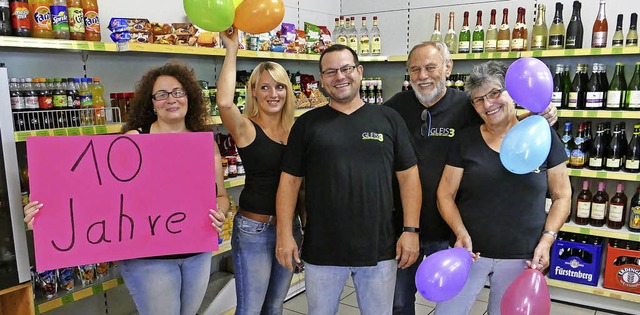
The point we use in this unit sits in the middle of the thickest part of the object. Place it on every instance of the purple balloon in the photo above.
(530, 83)
(443, 274)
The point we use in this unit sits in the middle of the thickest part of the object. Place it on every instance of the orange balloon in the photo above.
(259, 16)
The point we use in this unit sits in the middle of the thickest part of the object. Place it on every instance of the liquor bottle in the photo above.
(558, 88)
(594, 91)
(598, 149)
(614, 151)
(600, 28)
(539, 33)
(632, 35)
(599, 205)
(451, 40)
(342, 34)
(491, 38)
(379, 95)
(567, 139)
(376, 39)
(557, 31)
(336, 31)
(618, 37)
(615, 94)
(504, 35)
(577, 156)
(519, 34)
(566, 82)
(436, 36)
(464, 41)
(634, 212)
(363, 92)
(617, 209)
(365, 45)
(578, 93)
(632, 94)
(352, 36)
(477, 44)
(632, 161)
(575, 29)
(583, 204)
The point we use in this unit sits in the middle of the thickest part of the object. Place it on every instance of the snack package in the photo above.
(161, 29)
(141, 37)
(48, 283)
(276, 43)
(208, 39)
(242, 40)
(102, 270)
(288, 37)
(87, 273)
(252, 42)
(118, 25)
(168, 39)
(301, 42)
(313, 38)
(138, 25)
(264, 41)
(302, 101)
(325, 38)
(184, 29)
(66, 278)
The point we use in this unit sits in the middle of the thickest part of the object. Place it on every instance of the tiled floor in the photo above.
(349, 305)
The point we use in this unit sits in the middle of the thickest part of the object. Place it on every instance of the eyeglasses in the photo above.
(430, 68)
(492, 95)
(425, 128)
(333, 72)
(163, 95)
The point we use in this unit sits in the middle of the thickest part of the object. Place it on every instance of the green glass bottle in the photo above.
(451, 40)
(615, 95)
(477, 44)
(632, 98)
(464, 41)
(557, 31)
(632, 35)
(491, 38)
(540, 33)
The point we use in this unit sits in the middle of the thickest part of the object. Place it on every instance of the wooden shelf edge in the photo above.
(599, 290)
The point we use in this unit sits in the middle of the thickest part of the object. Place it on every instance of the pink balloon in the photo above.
(442, 275)
(528, 294)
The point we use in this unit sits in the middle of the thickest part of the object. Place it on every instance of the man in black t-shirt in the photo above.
(434, 114)
(348, 153)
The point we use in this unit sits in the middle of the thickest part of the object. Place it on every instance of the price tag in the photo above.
(484, 55)
(99, 46)
(42, 133)
(97, 289)
(537, 53)
(73, 131)
(592, 114)
(601, 174)
(66, 45)
(101, 130)
(634, 237)
(512, 54)
(585, 231)
(616, 114)
(569, 52)
(59, 132)
(596, 51)
(83, 45)
(88, 131)
(67, 299)
(22, 136)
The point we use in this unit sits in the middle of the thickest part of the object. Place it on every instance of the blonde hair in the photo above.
(279, 74)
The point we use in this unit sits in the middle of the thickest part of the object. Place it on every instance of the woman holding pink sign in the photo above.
(167, 100)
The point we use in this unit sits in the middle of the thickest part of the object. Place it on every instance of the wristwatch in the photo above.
(410, 229)
(552, 233)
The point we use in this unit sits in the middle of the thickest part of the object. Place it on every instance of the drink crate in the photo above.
(622, 266)
(576, 258)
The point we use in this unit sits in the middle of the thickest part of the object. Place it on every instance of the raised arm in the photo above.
(239, 126)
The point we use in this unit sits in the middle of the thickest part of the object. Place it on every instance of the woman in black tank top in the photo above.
(260, 135)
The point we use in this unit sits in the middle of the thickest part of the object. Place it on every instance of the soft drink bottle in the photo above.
(45, 100)
(76, 19)
(91, 20)
(73, 101)
(41, 18)
(5, 18)
(59, 19)
(17, 105)
(97, 91)
(86, 102)
(20, 18)
(60, 102)
(31, 105)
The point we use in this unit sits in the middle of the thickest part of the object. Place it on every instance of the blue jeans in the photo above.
(167, 286)
(261, 282)
(405, 295)
(374, 287)
(501, 272)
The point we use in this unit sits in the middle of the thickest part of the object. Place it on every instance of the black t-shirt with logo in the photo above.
(451, 114)
(348, 162)
(502, 211)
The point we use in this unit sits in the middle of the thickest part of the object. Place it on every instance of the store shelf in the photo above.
(234, 182)
(604, 174)
(373, 58)
(28, 42)
(66, 298)
(581, 52)
(216, 120)
(471, 56)
(623, 234)
(222, 248)
(21, 136)
(574, 113)
(599, 290)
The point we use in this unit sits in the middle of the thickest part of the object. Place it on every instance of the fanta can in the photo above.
(41, 18)
(91, 20)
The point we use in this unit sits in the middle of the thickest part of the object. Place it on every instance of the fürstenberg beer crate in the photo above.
(576, 258)
(622, 266)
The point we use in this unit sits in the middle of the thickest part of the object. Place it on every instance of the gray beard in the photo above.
(429, 98)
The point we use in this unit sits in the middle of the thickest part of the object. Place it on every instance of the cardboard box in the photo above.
(622, 269)
(576, 261)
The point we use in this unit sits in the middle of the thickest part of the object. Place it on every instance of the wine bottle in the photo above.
(539, 33)
(477, 44)
(599, 205)
(594, 93)
(451, 40)
(614, 151)
(558, 88)
(618, 85)
(464, 42)
(618, 37)
(436, 36)
(578, 94)
(575, 29)
(577, 156)
(604, 82)
(634, 212)
(566, 82)
(624, 144)
(588, 140)
(632, 35)
(600, 28)
(598, 150)
(557, 31)
(617, 209)
(583, 204)
(567, 140)
(491, 38)
(504, 35)
(632, 161)
(519, 34)
(632, 97)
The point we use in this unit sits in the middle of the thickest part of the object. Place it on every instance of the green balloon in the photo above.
(210, 15)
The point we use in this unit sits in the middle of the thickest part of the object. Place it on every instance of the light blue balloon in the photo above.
(526, 146)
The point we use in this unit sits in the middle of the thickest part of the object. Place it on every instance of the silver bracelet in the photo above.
(552, 233)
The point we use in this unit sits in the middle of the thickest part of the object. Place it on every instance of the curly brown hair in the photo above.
(142, 115)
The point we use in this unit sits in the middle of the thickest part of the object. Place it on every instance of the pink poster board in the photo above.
(115, 197)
